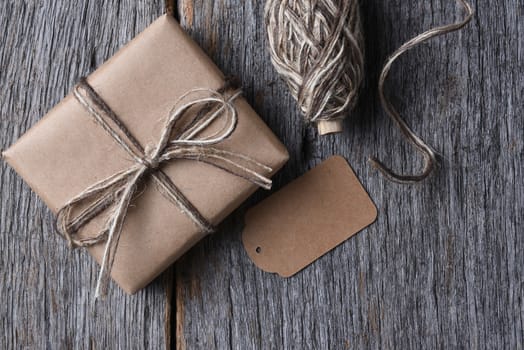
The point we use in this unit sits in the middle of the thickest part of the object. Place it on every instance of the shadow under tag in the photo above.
(306, 219)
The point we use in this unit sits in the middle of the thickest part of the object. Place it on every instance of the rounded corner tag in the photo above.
(306, 219)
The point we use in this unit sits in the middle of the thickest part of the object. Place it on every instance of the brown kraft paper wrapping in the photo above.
(67, 151)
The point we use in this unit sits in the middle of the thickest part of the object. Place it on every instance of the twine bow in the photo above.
(176, 142)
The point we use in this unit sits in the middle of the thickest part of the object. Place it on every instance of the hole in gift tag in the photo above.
(307, 218)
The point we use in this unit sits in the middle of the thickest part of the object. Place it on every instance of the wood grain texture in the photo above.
(46, 290)
(443, 267)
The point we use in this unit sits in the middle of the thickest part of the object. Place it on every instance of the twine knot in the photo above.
(150, 161)
(189, 142)
(152, 164)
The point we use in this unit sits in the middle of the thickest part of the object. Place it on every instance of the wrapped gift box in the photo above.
(67, 151)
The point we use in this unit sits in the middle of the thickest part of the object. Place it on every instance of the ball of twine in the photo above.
(318, 49)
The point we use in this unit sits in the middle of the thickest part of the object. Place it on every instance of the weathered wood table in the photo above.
(443, 267)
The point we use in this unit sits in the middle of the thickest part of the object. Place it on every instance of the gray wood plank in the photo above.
(443, 266)
(46, 290)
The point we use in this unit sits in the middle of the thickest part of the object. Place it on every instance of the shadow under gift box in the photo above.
(67, 151)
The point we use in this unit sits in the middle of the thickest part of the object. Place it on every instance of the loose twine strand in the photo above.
(430, 159)
(318, 49)
(177, 141)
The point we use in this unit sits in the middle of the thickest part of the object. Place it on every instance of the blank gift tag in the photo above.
(307, 218)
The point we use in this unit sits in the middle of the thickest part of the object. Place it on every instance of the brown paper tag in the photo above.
(307, 218)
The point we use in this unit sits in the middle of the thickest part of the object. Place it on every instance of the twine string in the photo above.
(318, 49)
(430, 159)
(116, 192)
